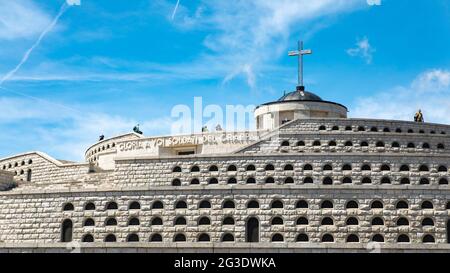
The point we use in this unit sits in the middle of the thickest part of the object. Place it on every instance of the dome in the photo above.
(301, 95)
(299, 104)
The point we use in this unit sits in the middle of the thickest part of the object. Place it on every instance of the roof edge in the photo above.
(289, 101)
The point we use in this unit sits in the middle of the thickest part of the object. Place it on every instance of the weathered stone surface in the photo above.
(31, 215)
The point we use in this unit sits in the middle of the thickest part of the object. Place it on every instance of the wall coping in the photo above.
(378, 121)
(46, 157)
(232, 189)
(357, 133)
(229, 247)
(282, 155)
(302, 102)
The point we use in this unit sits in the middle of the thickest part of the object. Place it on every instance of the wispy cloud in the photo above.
(246, 37)
(62, 132)
(36, 44)
(434, 80)
(362, 50)
(106, 69)
(426, 92)
(49, 103)
(246, 70)
(21, 19)
(250, 33)
(175, 9)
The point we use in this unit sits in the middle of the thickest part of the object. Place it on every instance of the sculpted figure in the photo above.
(419, 117)
(136, 130)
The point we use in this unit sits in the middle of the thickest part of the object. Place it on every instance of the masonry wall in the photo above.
(317, 135)
(351, 142)
(37, 218)
(42, 169)
(6, 177)
(34, 212)
(313, 125)
(159, 172)
(283, 147)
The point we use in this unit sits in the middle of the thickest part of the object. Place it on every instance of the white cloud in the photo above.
(99, 68)
(34, 46)
(362, 50)
(402, 102)
(245, 70)
(21, 19)
(71, 141)
(432, 81)
(175, 9)
(60, 131)
(250, 33)
(245, 37)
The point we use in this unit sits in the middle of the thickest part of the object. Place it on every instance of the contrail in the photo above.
(175, 9)
(42, 100)
(38, 41)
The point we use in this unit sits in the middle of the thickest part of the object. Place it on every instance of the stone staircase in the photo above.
(87, 181)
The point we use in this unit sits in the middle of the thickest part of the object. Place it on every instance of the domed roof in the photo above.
(300, 94)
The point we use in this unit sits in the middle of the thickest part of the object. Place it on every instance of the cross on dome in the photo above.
(299, 53)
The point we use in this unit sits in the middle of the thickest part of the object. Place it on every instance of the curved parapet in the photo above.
(103, 152)
(186, 145)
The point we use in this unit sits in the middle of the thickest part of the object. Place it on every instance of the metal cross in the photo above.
(300, 52)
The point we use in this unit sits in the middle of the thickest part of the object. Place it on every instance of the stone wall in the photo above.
(160, 172)
(6, 177)
(37, 217)
(380, 136)
(354, 142)
(271, 115)
(39, 168)
(274, 173)
(88, 181)
(313, 125)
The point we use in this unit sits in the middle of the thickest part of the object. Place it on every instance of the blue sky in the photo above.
(107, 65)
